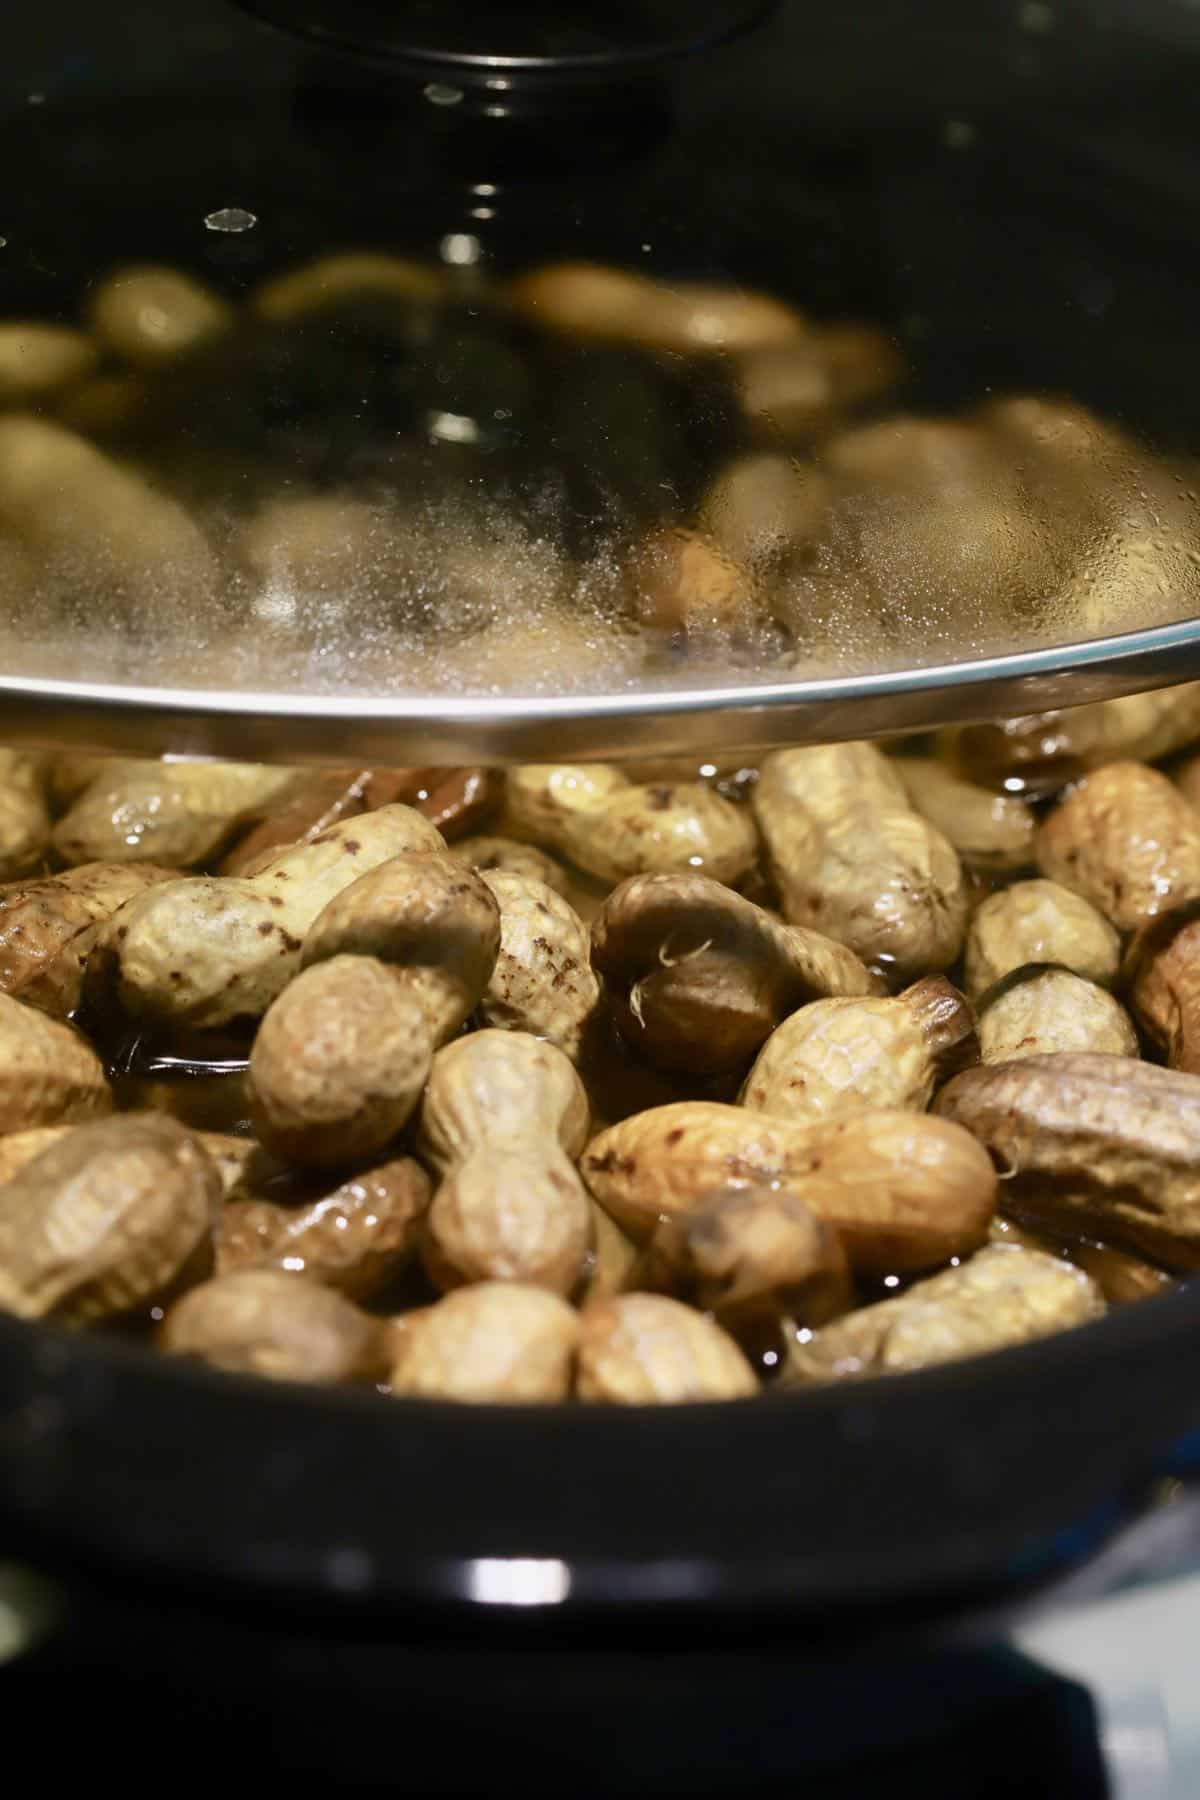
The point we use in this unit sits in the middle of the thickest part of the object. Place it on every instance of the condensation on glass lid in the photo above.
(376, 476)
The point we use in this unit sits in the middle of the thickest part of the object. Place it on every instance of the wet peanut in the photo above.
(840, 1057)
(1039, 922)
(611, 1263)
(1002, 1295)
(700, 976)
(49, 1075)
(588, 300)
(24, 821)
(264, 1322)
(1042, 751)
(543, 981)
(1046, 1010)
(105, 1220)
(612, 828)
(750, 1256)
(205, 951)
(48, 928)
(173, 814)
(762, 508)
(508, 856)
(1125, 840)
(854, 860)
(503, 1116)
(1098, 1144)
(1163, 981)
(683, 580)
(992, 832)
(642, 1349)
(499, 1341)
(901, 1192)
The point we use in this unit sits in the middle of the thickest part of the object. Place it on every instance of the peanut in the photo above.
(393, 966)
(105, 1220)
(587, 300)
(150, 316)
(1092, 1143)
(508, 856)
(1126, 840)
(854, 860)
(354, 1237)
(991, 832)
(701, 976)
(1002, 1295)
(1042, 1010)
(682, 580)
(901, 1192)
(24, 820)
(264, 1322)
(638, 1349)
(496, 1341)
(1041, 751)
(613, 828)
(762, 508)
(751, 1255)
(177, 814)
(502, 1118)
(611, 1263)
(1163, 979)
(839, 1057)
(38, 359)
(48, 928)
(543, 981)
(48, 1074)
(205, 951)
(1039, 922)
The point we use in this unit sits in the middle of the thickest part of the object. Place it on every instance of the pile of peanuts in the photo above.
(638, 1084)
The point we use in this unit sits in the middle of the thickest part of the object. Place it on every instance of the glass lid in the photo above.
(353, 410)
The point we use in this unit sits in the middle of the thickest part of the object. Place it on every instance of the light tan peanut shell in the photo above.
(854, 860)
(105, 1220)
(1047, 1010)
(1096, 1144)
(150, 316)
(1039, 922)
(1120, 1277)
(750, 1254)
(339, 1062)
(543, 981)
(902, 1193)
(612, 827)
(49, 1075)
(205, 951)
(508, 856)
(839, 1057)
(1162, 978)
(1002, 1295)
(641, 1349)
(1127, 841)
(519, 1214)
(699, 976)
(20, 1147)
(265, 1322)
(232, 1157)
(497, 1341)
(592, 300)
(354, 1237)
(48, 927)
(990, 831)
(38, 359)
(24, 820)
(177, 814)
(495, 1089)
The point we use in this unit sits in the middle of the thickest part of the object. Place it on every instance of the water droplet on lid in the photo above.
(3, 243)
(37, 99)
(439, 94)
(231, 219)
(957, 134)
